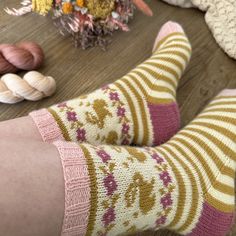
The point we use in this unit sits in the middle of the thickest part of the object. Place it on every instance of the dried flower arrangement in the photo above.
(88, 21)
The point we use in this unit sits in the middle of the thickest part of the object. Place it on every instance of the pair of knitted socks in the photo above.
(185, 185)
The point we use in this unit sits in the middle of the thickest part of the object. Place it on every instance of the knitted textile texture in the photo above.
(20, 56)
(34, 86)
(139, 108)
(182, 3)
(185, 185)
(221, 18)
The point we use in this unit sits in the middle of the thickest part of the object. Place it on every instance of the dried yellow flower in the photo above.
(42, 6)
(100, 8)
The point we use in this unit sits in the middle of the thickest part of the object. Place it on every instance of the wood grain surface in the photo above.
(78, 72)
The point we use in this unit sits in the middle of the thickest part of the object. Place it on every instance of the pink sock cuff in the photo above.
(77, 188)
(47, 126)
(228, 92)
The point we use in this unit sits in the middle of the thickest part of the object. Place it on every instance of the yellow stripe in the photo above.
(187, 158)
(219, 129)
(162, 89)
(201, 159)
(165, 68)
(149, 98)
(188, 49)
(221, 187)
(195, 195)
(184, 40)
(224, 148)
(227, 208)
(176, 44)
(153, 100)
(228, 171)
(176, 40)
(224, 97)
(139, 84)
(220, 118)
(181, 186)
(132, 109)
(211, 154)
(167, 59)
(93, 190)
(151, 86)
(143, 111)
(163, 40)
(177, 53)
(232, 110)
(157, 76)
(221, 103)
(60, 124)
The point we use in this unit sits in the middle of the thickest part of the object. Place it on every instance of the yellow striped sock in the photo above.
(139, 108)
(185, 185)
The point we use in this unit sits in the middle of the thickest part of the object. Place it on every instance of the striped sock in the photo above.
(139, 108)
(185, 185)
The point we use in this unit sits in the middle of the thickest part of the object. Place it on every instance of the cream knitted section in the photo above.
(181, 3)
(220, 17)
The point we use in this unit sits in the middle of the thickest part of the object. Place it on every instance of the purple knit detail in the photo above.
(165, 120)
(213, 222)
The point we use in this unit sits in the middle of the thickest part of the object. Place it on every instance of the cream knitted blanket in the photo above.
(220, 17)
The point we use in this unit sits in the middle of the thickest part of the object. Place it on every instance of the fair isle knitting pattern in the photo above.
(124, 182)
(185, 185)
(90, 116)
(139, 108)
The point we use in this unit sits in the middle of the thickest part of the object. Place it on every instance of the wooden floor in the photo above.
(77, 71)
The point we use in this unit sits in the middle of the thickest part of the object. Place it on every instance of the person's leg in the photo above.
(32, 189)
(22, 127)
(185, 185)
(140, 108)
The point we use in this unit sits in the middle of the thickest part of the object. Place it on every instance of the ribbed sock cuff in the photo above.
(77, 188)
(228, 92)
(47, 126)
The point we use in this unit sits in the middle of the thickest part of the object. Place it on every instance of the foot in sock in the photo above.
(185, 185)
(140, 108)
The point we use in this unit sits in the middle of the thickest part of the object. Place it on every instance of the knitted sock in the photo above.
(139, 108)
(185, 185)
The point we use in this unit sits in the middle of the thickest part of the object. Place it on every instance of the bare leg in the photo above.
(23, 127)
(32, 189)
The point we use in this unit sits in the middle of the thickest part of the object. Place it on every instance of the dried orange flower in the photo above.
(80, 3)
(67, 8)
